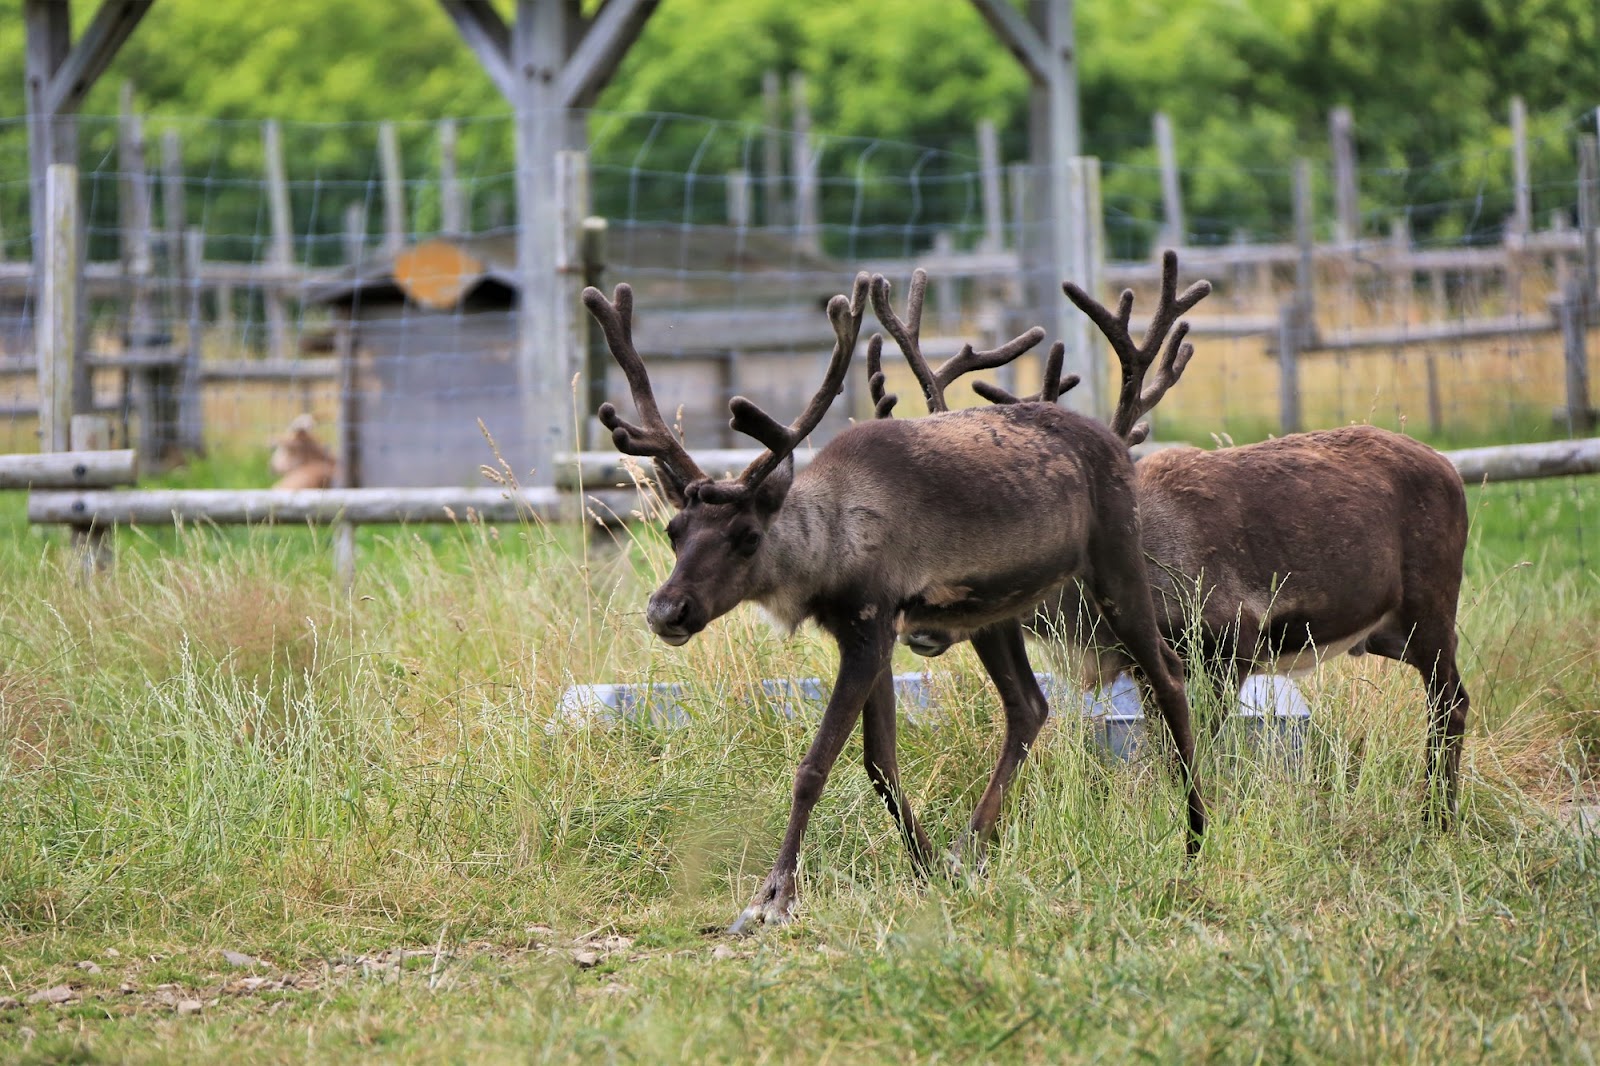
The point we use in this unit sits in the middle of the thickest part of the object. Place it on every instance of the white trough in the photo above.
(1271, 712)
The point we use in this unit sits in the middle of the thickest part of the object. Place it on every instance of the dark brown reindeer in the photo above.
(962, 521)
(1280, 554)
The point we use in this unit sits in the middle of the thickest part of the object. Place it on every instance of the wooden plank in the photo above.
(372, 506)
(57, 329)
(1448, 331)
(69, 469)
(1522, 462)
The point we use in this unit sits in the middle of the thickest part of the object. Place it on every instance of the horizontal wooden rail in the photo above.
(319, 506)
(1524, 462)
(68, 470)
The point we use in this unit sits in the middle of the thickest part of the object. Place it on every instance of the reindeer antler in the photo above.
(655, 439)
(907, 334)
(1051, 386)
(1136, 398)
(749, 419)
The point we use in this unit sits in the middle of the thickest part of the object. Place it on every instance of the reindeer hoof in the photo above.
(773, 906)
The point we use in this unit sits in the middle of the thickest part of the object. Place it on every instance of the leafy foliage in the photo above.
(1248, 84)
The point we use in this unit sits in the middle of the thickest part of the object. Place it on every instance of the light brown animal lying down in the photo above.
(300, 460)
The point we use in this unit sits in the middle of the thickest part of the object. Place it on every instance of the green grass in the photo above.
(215, 748)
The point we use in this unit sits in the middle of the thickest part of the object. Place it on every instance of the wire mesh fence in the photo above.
(1433, 304)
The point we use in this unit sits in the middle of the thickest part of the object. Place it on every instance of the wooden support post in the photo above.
(1400, 282)
(1173, 231)
(597, 357)
(347, 430)
(946, 303)
(1305, 265)
(191, 406)
(280, 252)
(154, 389)
(773, 203)
(1085, 349)
(1589, 210)
(91, 544)
(1522, 190)
(807, 217)
(1347, 205)
(989, 175)
(738, 190)
(1021, 223)
(56, 326)
(538, 52)
(394, 189)
(452, 208)
(355, 235)
(1572, 312)
(1289, 335)
(572, 184)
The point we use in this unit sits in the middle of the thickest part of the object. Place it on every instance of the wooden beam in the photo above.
(232, 507)
(69, 470)
(1012, 27)
(610, 35)
(487, 34)
(1522, 462)
(112, 25)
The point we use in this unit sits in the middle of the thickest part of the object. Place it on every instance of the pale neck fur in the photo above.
(800, 555)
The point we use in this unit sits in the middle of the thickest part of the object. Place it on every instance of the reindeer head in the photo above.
(720, 530)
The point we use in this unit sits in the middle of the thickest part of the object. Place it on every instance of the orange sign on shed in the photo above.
(436, 274)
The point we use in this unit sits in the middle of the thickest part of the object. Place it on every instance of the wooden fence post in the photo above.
(772, 201)
(452, 207)
(280, 252)
(91, 433)
(807, 216)
(1173, 229)
(394, 189)
(1572, 312)
(597, 356)
(1522, 191)
(738, 193)
(57, 323)
(1086, 229)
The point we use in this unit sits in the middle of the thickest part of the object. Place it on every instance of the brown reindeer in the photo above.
(962, 520)
(299, 459)
(1280, 554)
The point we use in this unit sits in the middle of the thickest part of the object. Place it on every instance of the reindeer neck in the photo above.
(799, 558)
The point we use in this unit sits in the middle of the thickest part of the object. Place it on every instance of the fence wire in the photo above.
(1434, 316)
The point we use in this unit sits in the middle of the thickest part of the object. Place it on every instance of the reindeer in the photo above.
(962, 521)
(1278, 555)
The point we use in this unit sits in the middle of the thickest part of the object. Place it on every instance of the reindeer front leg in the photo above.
(864, 650)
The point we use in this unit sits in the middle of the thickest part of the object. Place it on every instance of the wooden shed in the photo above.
(432, 345)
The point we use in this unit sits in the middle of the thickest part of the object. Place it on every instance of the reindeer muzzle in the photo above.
(673, 617)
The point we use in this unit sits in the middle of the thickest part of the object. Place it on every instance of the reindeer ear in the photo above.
(770, 494)
(672, 485)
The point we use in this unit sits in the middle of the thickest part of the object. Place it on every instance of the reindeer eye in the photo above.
(746, 541)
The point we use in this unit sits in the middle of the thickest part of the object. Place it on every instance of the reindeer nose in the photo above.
(668, 617)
